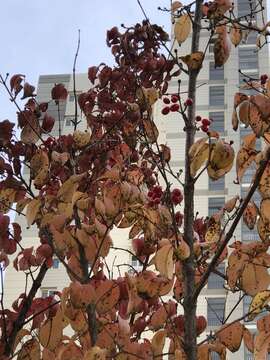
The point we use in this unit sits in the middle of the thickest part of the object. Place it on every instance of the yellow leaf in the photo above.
(7, 196)
(51, 331)
(258, 303)
(66, 191)
(221, 159)
(163, 261)
(32, 211)
(150, 94)
(81, 138)
(182, 28)
(199, 154)
(194, 61)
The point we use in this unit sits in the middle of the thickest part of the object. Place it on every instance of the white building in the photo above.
(214, 100)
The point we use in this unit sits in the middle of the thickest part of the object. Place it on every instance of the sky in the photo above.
(40, 36)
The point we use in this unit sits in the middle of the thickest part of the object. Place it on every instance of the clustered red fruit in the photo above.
(188, 102)
(179, 218)
(155, 195)
(176, 196)
(264, 78)
(174, 107)
(205, 123)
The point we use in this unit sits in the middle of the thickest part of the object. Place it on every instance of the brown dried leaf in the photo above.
(182, 28)
(107, 295)
(236, 34)
(230, 204)
(250, 215)
(32, 211)
(194, 61)
(163, 261)
(231, 335)
(51, 332)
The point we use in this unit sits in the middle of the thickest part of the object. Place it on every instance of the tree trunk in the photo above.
(190, 339)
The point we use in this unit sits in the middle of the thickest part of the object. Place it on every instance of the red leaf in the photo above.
(28, 91)
(6, 128)
(92, 73)
(59, 92)
(15, 83)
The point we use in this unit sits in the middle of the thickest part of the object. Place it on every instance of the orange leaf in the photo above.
(231, 335)
(107, 295)
(50, 333)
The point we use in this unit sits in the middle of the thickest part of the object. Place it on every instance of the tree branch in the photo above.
(230, 233)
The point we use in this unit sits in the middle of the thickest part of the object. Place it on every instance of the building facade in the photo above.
(215, 100)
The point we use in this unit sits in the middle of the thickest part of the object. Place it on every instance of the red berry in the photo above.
(165, 110)
(206, 122)
(189, 102)
(176, 192)
(174, 98)
(204, 128)
(198, 118)
(179, 218)
(166, 100)
(174, 107)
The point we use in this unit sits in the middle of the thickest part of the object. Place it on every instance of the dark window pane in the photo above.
(215, 73)
(215, 281)
(215, 311)
(245, 7)
(215, 204)
(248, 58)
(216, 95)
(218, 185)
(217, 118)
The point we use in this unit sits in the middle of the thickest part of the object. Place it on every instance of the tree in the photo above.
(115, 174)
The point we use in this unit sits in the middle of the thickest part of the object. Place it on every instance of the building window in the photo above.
(215, 73)
(215, 204)
(249, 235)
(215, 311)
(248, 58)
(216, 95)
(246, 7)
(218, 185)
(215, 281)
(69, 120)
(217, 118)
(136, 265)
(45, 292)
(211, 45)
(55, 263)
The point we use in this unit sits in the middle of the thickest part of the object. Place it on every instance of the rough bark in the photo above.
(190, 340)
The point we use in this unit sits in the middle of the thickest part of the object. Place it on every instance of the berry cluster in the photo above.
(179, 218)
(176, 196)
(264, 78)
(205, 123)
(173, 107)
(155, 195)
